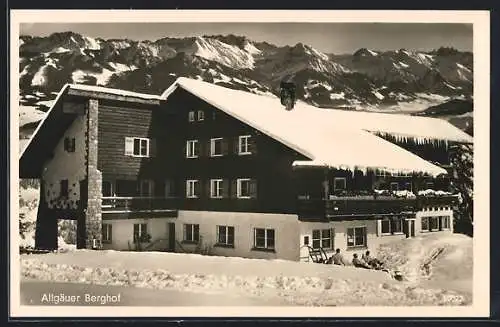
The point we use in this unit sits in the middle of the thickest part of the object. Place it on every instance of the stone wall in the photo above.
(93, 213)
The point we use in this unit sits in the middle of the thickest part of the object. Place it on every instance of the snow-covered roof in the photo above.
(311, 131)
(100, 89)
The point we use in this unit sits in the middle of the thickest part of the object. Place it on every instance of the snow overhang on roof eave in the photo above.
(466, 139)
(435, 171)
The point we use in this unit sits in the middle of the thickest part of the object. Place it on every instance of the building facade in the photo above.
(179, 172)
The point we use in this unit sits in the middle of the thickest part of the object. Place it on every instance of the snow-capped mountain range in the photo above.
(399, 80)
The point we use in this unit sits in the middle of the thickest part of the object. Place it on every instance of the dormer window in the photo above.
(201, 115)
(191, 116)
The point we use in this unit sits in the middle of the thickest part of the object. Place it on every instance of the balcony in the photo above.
(367, 205)
(132, 207)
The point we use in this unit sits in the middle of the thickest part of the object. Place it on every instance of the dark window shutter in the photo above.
(198, 188)
(198, 148)
(225, 188)
(206, 188)
(110, 232)
(234, 191)
(66, 146)
(152, 148)
(253, 188)
(225, 147)
(252, 144)
(236, 146)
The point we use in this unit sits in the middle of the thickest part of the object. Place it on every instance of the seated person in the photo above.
(358, 263)
(337, 258)
(371, 261)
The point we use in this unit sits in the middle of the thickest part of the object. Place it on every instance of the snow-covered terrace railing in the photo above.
(373, 205)
(138, 203)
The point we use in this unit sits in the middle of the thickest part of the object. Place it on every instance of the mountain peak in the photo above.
(364, 52)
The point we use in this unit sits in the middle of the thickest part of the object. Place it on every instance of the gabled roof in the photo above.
(55, 123)
(329, 137)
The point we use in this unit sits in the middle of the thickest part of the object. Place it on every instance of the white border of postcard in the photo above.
(481, 49)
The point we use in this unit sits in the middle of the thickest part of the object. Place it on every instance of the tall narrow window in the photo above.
(244, 145)
(216, 188)
(192, 188)
(356, 237)
(191, 116)
(107, 232)
(225, 235)
(192, 149)
(140, 232)
(264, 238)
(192, 233)
(322, 238)
(216, 147)
(244, 188)
(64, 188)
(339, 183)
(201, 115)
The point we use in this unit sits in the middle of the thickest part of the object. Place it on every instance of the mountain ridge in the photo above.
(391, 81)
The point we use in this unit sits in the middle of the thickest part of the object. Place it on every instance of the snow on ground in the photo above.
(450, 269)
(297, 283)
(29, 114)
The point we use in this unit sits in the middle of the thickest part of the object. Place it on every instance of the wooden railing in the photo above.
(368, 205)
(138, 203)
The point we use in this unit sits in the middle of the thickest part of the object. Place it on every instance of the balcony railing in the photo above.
(368, 205)
(138, 203)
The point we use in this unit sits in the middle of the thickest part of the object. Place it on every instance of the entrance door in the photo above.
(412, 228)
(171, 237)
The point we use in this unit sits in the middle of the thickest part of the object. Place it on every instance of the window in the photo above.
(394, 186)
(322, 238)
(107, 231)
(306, 240)
(64, 188)
(392, 226)
(429, 185)
(107, 188)
(445, 222)
(386, 226)
(216, 147)
(192, 149)
(425, 224)
(191, 116)
(408, 186)
(356, 237)
(264, 238)
(69, 144)
(192, 188)
(225, 235)
(397, 225)
(169, 188)
(201, 115)
(339, 183)
(246, 188)
(216, 188)
(434, 223)
(243, 145)
(146, 188)
(140, 232)
(137, 147)
(192, 233)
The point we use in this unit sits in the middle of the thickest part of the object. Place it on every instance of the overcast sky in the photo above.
(328, 37)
